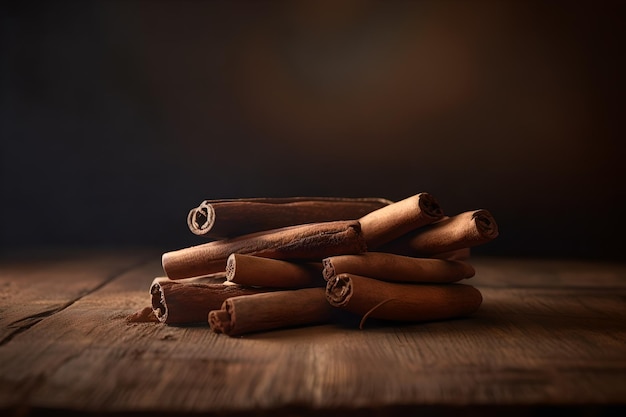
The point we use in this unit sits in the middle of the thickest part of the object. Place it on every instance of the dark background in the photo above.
(118, 117)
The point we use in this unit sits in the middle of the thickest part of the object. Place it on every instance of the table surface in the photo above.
(550, 334)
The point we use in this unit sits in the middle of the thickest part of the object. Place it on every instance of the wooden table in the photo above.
(551, 334)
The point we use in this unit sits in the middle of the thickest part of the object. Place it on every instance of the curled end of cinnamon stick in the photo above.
(201, 219)
(485, 224)
(339, 290)
(219, 320)
(430, 206)
(231, 266)
(328, 270)
(159, 306)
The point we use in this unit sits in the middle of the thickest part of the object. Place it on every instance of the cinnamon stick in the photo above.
(303, 242)
(462, 254)
(189, 301)
(227, 218)
(392, 221)
(369, 297)
(266, 272)
(273, 310)
(465, 230)
(397, 268)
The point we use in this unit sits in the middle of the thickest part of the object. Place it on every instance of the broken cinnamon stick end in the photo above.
(219, 321)
(201, 219)
(485, 223)
(339, 290)
(430, 206)
(328, 270)
(145, 315)
(159, 306)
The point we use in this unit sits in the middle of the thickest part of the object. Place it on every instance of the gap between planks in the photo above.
(25, 321)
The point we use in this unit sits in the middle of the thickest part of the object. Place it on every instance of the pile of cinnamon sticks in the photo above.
(282, 262)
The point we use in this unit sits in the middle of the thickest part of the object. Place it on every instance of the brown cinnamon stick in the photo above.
(465, 230)
(369, 297)
(226, 218)
(266, 272)
(397, 268)
(392, 221)
(273, 310)
(303, 242)
(189, 301)
(462, 254)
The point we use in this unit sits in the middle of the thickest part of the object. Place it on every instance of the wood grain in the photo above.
(37, 286)
(549, 334)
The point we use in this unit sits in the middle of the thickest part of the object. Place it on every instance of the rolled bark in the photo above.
(392, 221)
(274, 273)
(189, 301)
(465, 230)
(313, 241)
(369, 297)
(274, 310)
(228, 218)
(462, 254)
(397, 268)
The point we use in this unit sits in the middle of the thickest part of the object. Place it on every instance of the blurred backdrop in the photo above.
(117, 117)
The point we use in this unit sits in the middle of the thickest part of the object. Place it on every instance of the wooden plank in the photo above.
(30, 358)
(525, 346)
(37, 284)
